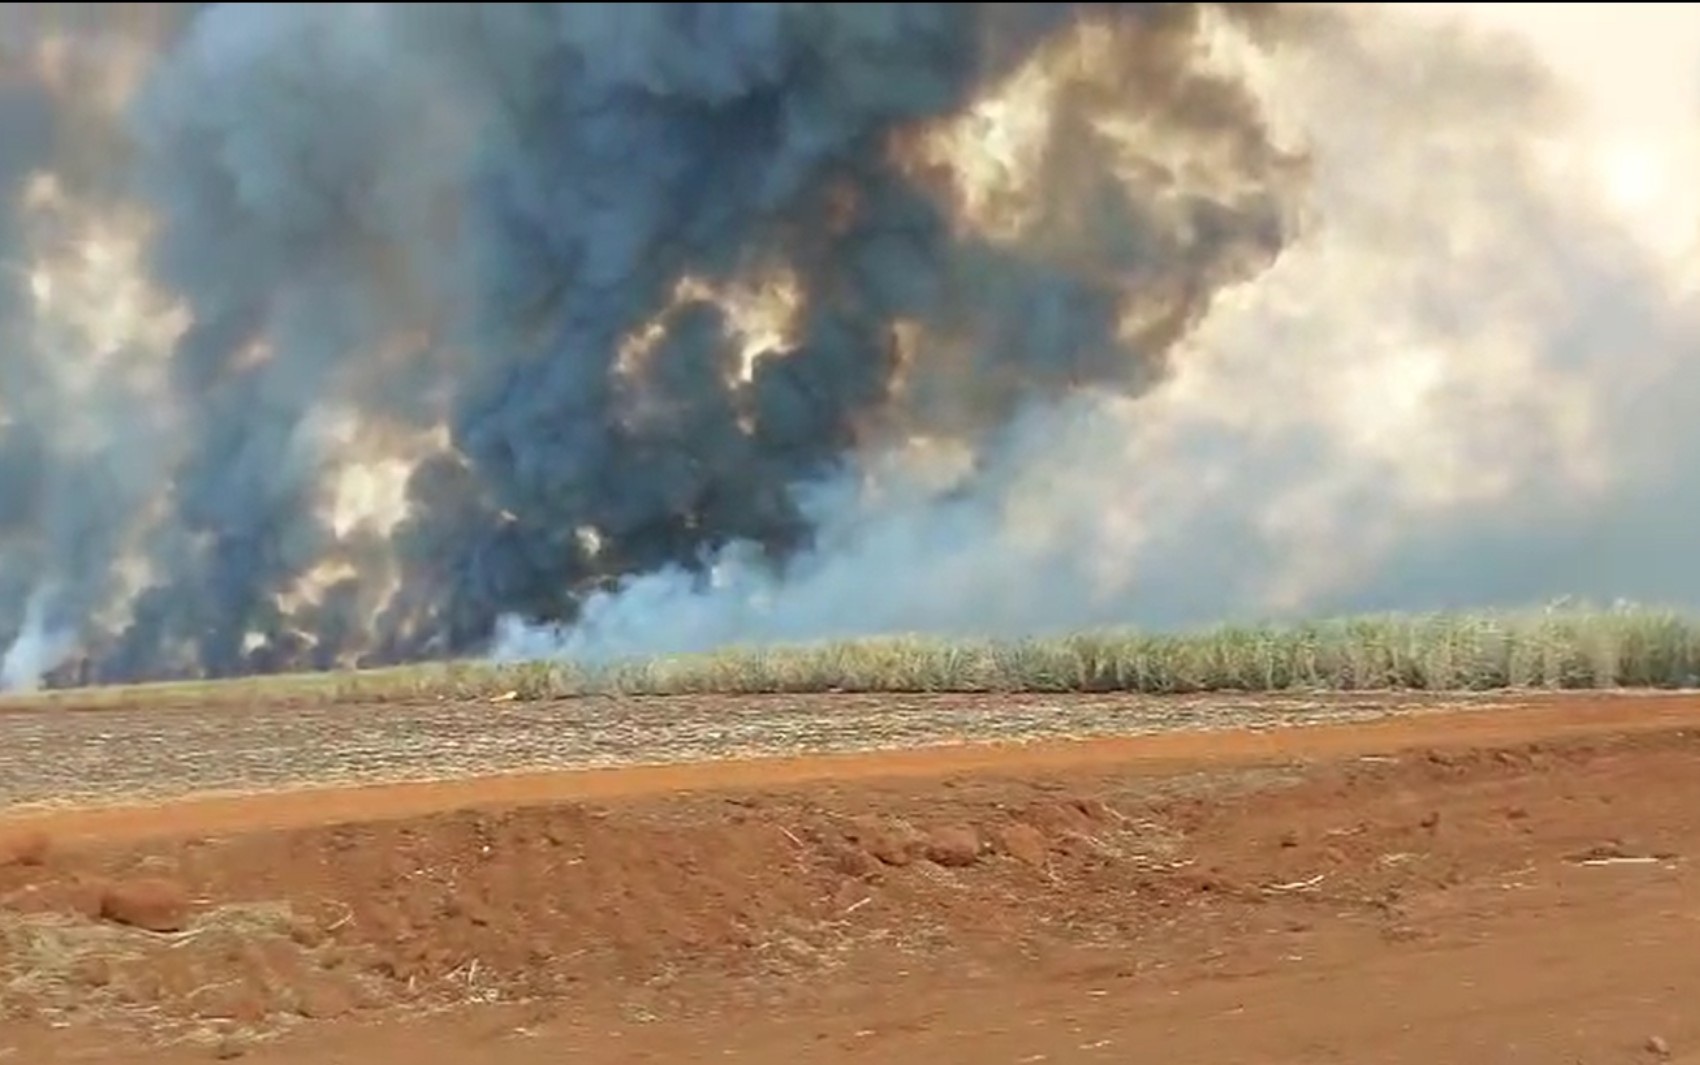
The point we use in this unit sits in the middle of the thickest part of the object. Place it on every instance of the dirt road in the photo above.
(1511, 885)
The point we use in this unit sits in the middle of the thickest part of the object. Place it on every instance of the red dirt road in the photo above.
(1505, 885)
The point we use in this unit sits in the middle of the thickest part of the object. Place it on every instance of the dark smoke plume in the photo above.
(492, 244)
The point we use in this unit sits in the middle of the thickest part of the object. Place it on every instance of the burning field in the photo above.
(773, 532)
(354, 335)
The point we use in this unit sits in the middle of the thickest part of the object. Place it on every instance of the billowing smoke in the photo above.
(1467, 380)
(334, 334)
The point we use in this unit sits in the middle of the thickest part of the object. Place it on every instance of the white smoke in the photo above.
(39, 647)
(1470, 382)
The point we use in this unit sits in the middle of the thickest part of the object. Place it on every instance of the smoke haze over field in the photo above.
(355, 333)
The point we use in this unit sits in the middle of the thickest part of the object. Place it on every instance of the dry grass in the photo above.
(1554, 648)
(44, 954)
(58, 963)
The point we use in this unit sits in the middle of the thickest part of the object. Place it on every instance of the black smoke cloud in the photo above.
(446, 223)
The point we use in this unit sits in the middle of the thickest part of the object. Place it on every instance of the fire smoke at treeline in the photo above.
(337, 334)
(505, 245)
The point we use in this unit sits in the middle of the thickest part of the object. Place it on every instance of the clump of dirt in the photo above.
(29, 848)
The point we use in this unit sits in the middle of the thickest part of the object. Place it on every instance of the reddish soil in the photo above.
(1499, 886)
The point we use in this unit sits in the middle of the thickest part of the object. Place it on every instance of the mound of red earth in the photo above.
(532, 902)
(698, 905)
